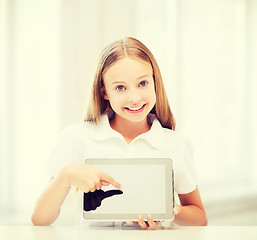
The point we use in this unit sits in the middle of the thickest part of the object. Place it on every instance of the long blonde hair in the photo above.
(128, 47)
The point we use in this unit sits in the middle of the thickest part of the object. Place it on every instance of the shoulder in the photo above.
(173, 136)
(77, 129)
(86, 129)
(166, 137)
(168, 133)
(177, 139)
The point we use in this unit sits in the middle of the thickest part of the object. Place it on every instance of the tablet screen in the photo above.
(143, 188)
(144, 191)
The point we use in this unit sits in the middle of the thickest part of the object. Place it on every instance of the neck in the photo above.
(129, 130)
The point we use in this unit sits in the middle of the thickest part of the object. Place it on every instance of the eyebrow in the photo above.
(118, 82)
(143, 76)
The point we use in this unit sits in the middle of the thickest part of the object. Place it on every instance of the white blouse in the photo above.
(83, 140)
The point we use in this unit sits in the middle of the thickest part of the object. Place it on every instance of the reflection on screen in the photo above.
(143, 190)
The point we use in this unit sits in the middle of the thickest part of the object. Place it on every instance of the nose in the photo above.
(134, 96)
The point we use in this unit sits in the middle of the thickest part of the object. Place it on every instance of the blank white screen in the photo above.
(143, 189)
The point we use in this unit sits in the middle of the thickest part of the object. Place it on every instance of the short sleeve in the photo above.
(185, 178)
(64, 152)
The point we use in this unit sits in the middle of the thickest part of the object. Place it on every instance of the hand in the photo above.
(150, 222)
(86, 178)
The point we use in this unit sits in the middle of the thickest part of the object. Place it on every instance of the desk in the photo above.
(171, 233)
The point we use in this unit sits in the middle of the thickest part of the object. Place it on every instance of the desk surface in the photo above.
(73, 233)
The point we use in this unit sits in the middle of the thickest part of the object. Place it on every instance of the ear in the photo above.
(104, 94)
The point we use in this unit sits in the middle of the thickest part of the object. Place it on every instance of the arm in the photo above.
(82, 176)
(192, 211)
(48, 206)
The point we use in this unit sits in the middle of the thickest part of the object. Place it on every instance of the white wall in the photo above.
(207, 53)
(30, 117)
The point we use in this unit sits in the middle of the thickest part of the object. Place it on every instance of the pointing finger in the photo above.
(109, 179)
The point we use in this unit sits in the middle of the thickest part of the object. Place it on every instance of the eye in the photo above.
(143, 83)
(120, 88)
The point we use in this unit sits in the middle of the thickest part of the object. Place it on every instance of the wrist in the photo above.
(64, 177)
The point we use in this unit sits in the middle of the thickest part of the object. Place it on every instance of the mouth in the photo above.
(135, 109)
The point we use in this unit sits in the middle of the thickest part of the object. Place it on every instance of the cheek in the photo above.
(150, 95)
(113, 97)
(116, 100)
(111, 94)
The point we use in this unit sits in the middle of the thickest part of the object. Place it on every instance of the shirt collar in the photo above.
(103, 131)
(155, 135)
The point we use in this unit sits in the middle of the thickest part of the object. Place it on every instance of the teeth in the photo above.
(135, 109)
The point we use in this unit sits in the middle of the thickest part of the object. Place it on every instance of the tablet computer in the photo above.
(147, 188)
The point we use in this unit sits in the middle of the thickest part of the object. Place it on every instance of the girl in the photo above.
(128, 116)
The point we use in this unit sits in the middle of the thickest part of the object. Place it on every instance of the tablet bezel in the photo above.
(169, 179)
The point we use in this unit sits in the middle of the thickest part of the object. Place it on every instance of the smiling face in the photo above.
(129, 87)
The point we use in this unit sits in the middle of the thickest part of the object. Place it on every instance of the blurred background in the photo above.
(207, 53)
